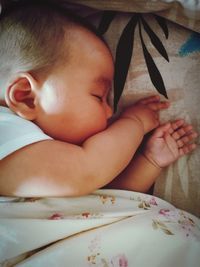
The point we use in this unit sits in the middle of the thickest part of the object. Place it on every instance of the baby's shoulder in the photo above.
(17, 132)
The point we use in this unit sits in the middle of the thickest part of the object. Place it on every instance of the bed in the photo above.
(112, 228)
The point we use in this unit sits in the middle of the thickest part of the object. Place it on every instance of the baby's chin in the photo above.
(79, 140)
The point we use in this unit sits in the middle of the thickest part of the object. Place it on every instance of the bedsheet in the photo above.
(109, 228)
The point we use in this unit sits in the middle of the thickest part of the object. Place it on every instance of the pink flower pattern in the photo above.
(56, 216)
(119, 260)
(182, 219)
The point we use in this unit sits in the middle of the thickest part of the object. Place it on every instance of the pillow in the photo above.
(179, 183)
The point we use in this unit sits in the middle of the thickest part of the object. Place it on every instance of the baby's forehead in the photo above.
(80, 37)
(89, 52)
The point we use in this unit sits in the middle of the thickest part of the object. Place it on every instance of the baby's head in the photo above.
(55, 71)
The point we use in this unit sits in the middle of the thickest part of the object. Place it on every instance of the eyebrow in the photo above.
(103, 81)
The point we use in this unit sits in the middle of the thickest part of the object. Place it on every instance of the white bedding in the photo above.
(108, 228)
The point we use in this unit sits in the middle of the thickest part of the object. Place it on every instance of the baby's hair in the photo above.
(31, 37)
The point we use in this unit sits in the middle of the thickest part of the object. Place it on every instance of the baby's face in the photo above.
(73, 100)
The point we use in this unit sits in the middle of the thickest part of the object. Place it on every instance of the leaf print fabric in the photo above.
(192, 45)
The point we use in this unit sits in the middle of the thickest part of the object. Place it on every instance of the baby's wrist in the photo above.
(135, 119)
(149, 159)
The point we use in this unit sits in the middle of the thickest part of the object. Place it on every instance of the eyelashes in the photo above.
(99, 97)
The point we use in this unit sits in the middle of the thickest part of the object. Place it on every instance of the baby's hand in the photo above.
(146, 111)
(169, 142)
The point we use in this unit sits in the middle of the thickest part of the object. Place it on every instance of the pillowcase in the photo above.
(179, 183)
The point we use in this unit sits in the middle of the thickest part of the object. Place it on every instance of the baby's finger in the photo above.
(187, 149)
(149, 99)
(175, 125)
(187, 139)
(156, 106)
(182, 131)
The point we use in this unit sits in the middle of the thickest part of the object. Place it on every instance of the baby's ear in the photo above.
(20, 96)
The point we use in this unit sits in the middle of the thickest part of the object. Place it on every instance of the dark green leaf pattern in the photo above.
(123, 58)
(154, 39)
(124, 51)
(163, 25)
(105, 22)
(154, 73)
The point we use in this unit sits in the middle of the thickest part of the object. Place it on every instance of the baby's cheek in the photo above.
(99, 124)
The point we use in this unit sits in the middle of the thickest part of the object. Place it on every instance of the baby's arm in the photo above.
(168, 143)
(55, 168)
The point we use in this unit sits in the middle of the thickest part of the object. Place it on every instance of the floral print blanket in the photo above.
(109, 228)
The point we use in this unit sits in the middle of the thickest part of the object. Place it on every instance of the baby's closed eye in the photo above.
(98, 97)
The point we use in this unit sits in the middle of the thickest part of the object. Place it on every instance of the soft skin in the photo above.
(73, 100)
(167, 144)
(71, 106)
